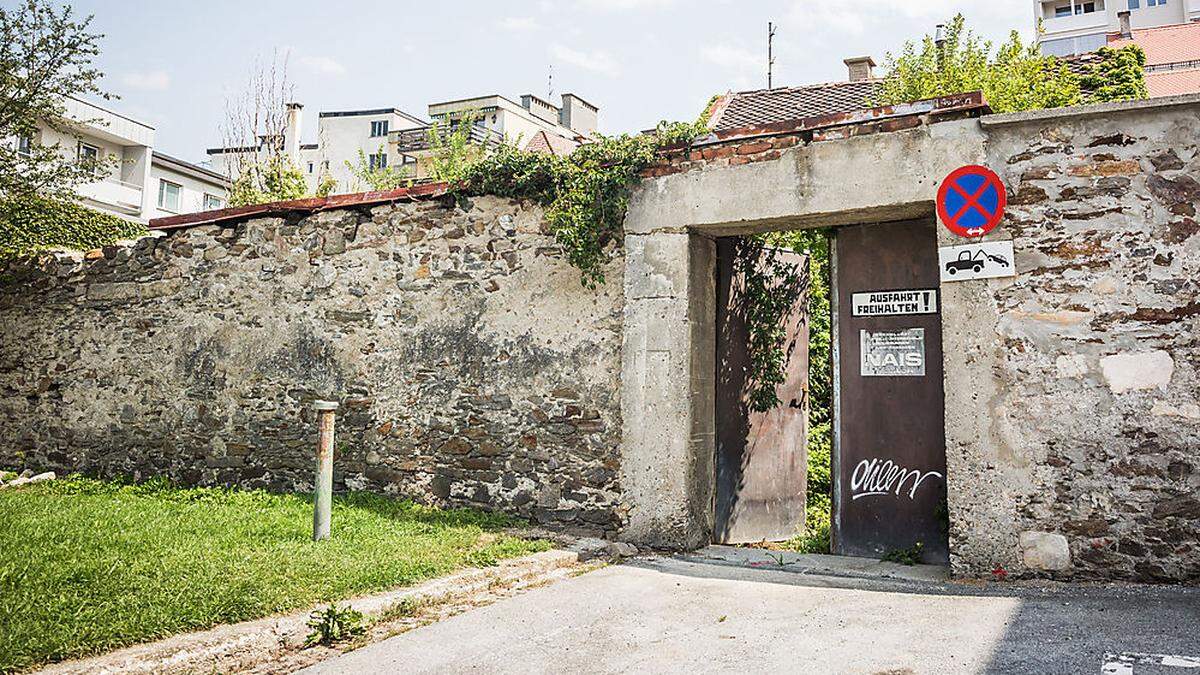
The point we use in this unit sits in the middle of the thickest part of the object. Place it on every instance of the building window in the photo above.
(1085, 8)
(379, 128)
(213, 202)
(88, 154)
(168, 195)
(1156, 3)
(377, 162)
(25, 146)
(310, 167)
(1134, 4)
(1063, 10)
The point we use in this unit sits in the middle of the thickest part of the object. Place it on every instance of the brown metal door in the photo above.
(890, 452)
(761, 460)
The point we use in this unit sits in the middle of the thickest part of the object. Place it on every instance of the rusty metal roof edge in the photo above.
(940, 105)
(307, 204)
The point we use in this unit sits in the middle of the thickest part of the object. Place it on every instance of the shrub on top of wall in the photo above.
(31, 224)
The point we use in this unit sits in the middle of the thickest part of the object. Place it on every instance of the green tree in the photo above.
(454, 151)
(1014, 77)
(273, 180)
(46, 55)
(1118, 76)
(377, 178)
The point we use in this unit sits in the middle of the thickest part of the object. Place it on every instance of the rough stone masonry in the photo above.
(472, 366)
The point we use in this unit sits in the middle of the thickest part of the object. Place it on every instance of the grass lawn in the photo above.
(88, 566)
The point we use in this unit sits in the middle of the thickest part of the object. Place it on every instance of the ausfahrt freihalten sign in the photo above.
(983, 260)
(893, 353)
(891, 303)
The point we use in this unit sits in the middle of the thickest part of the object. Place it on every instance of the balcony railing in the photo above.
(115, 194)
(416, 140)
(1074, 22)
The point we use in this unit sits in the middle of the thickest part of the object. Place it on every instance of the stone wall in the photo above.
(1095, 408)
(471, 365)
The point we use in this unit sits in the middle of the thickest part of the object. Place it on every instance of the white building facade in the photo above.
(1070, 27)
(390, 137)
(130, 184)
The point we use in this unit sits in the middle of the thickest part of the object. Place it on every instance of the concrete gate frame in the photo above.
(668, 369)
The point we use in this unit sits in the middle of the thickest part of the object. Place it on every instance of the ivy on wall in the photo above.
(585, 193)
(31, 224)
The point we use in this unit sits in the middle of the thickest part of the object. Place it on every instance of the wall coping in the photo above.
(1092, 110)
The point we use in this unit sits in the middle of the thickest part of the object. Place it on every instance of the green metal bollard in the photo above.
(323, 486)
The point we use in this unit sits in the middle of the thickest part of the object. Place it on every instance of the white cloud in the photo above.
(154, 80)
(732, 57)
(624, 5)
(596, 61)
(518, 24)
(322, 65)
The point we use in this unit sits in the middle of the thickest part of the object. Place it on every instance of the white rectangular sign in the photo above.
(892, 353)
(981, 260)
(889, 303)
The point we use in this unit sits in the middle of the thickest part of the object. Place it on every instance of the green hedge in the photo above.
(31, 224)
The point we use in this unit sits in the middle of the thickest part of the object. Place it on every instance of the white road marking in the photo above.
(1123, 663)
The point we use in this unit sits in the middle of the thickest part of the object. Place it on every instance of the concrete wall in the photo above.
(1071, 412)
(471, 364)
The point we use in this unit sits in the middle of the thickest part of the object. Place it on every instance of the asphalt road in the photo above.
(673, 615)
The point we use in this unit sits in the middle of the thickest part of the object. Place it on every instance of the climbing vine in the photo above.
(585, 193)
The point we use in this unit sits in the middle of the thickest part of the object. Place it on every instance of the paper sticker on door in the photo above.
(891, 303)
(893, 353)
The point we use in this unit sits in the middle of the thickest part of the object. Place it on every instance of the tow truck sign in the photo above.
(984, 260)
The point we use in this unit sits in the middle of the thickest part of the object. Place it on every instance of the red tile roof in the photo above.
(550, 144)
(765, 106)
(1173, 82)
(1164, 44)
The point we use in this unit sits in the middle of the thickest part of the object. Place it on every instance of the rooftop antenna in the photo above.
(770, 52)
(550, 84)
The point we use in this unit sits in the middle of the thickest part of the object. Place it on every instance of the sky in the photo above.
(175, 62)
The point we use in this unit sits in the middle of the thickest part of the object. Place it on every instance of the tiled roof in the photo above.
(764, 106)
(1164, 44)
(550, 144)
(1173, 82)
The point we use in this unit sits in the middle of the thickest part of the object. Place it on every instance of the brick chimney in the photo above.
(1126, 29)
(861, 68)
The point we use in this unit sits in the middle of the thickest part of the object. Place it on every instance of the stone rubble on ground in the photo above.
(11, 479)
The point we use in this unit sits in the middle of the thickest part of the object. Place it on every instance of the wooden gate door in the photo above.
(889, 459)
(761, 461)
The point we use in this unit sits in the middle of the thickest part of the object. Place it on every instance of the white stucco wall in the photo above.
(191, 198)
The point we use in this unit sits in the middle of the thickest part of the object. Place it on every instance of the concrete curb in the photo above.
(817, 564)
(243, 645)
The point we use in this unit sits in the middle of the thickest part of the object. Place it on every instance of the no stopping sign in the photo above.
(971, 200)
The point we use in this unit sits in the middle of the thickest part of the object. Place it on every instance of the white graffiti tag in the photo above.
(878, 477)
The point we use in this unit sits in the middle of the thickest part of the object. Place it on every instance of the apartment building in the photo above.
(1070, 27)
(341, 135)
(140, 184)
(390, 137)
(533, 124)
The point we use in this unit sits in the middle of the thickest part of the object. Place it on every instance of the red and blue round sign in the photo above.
(971, 200)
